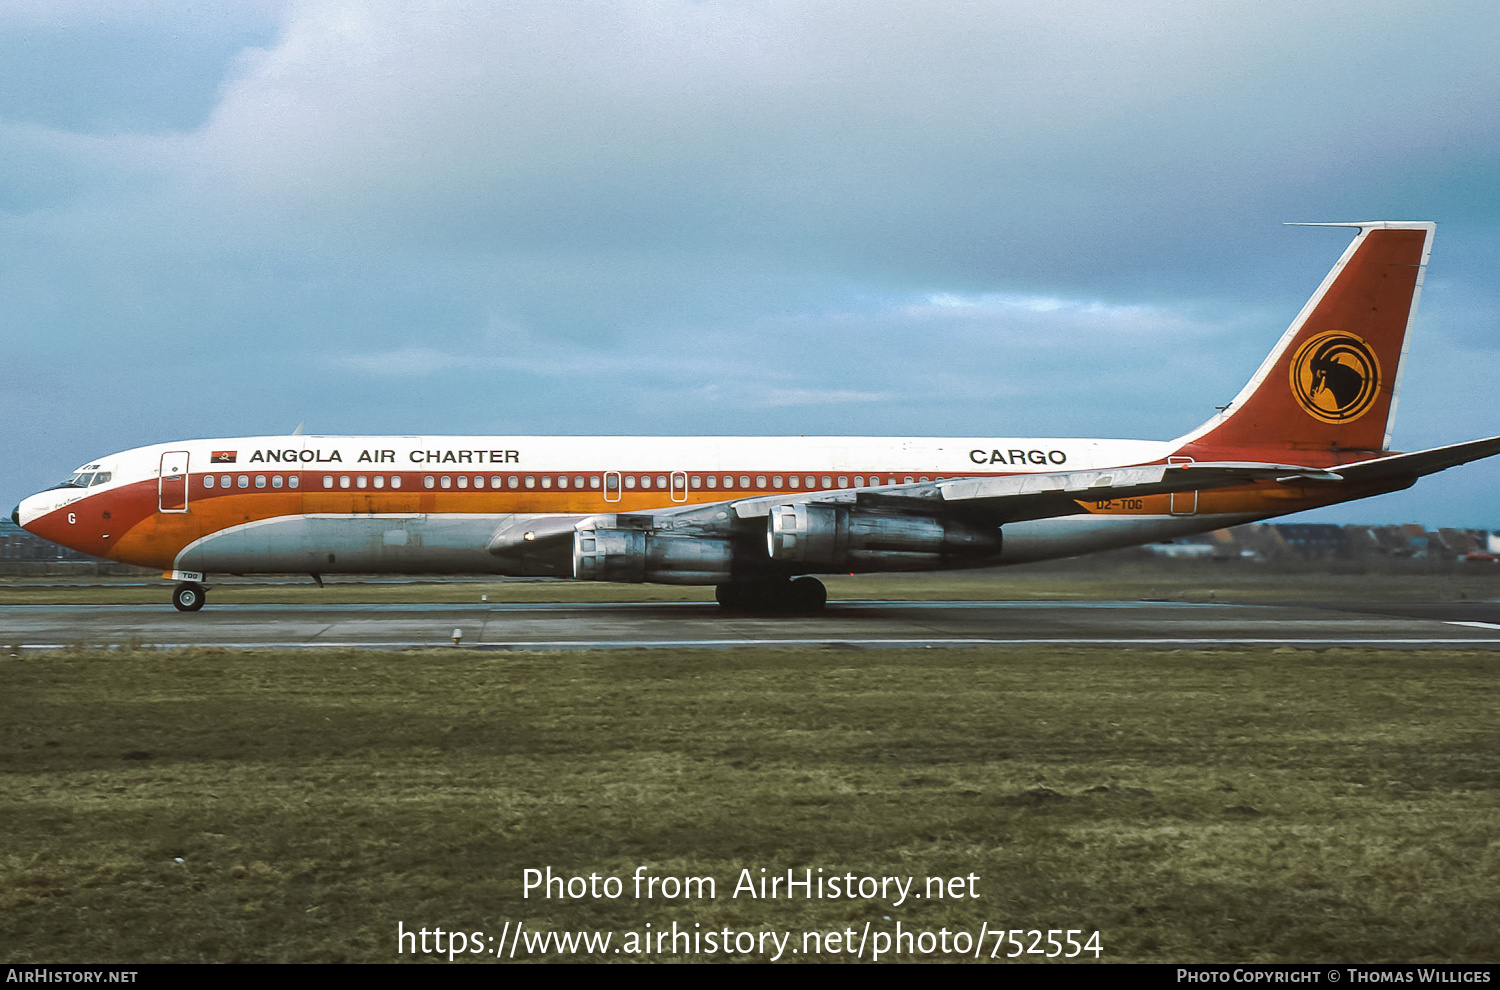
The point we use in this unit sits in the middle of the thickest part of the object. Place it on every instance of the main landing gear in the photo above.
(188, 596)
(805, 594)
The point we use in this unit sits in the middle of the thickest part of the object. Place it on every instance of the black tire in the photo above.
(188, 597)
(807, 594)
(732, 595)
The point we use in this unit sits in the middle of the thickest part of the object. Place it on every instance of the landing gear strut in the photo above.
(188, 596)
(805, 594)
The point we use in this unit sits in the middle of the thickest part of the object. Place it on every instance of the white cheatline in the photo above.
(1307, 642)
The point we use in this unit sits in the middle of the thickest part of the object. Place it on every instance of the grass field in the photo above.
(213, 805)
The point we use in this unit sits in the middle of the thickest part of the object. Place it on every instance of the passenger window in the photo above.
(379, 481)
(728, 481)
(645, 481)
(696, 481)
(293, 481)
(859, 482)
(224, 481)
(924, 477)
(577, 481)
(463, 481)
(760, 481)
(843, 481)
(361, 481)
(594, 481)
(479, 481)
(429, 481)
(562, 481)
(530, 481)
(776, 481)
(395, 481)
(513, 481)
(908, 479)
(244, 481)
(327, 481)
(744, 481)
(546, 481)
(276, 481)
(208, 481)
(630, 481)
(661, 481)
(495, 481)
(445, 481)
(811, 481)
(713, 481)
(827, 481)
(343, 481)
(794, 481)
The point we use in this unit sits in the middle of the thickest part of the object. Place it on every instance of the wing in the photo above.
(959, 517)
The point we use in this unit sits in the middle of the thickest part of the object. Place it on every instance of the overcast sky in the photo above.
(1002, 218)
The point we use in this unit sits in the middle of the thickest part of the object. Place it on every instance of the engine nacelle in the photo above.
(633, 556)
(840, 538)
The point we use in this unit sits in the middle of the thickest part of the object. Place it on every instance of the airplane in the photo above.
(758, 517)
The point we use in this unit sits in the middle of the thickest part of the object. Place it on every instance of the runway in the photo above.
(847, 624)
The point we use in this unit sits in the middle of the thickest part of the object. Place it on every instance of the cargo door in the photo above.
(172, 482)
(1183, 503)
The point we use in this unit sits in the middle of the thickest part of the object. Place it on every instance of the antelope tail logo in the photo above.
(1335, 377)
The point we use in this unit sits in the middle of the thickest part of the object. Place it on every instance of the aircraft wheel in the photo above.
(733, 595)
(188, 597)
(807, 594)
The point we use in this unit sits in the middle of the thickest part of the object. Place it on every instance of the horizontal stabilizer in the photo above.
(1422, 462)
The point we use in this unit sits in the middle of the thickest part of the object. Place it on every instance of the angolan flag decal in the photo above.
(222, 457)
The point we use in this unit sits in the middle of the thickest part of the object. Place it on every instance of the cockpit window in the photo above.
(84, 477)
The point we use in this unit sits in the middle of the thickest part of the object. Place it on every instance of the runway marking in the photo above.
(871, 603)
(1477, 625)
(890, 643)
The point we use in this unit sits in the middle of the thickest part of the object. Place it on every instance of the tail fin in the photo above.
(1330, 384)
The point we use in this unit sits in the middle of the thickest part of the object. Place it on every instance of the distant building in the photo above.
(17, 544)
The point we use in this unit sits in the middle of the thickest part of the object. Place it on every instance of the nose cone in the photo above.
(33, 507)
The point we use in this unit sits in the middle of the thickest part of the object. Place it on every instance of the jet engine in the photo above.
(840, 538)
(633, 555)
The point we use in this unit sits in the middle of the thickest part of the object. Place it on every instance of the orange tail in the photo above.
(1330, 385)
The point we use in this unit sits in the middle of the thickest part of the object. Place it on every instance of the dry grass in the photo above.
(1224, 806)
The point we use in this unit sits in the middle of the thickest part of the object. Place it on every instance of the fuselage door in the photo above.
(679, 486)
(1183, 503)
(611, 486)
(172, 482)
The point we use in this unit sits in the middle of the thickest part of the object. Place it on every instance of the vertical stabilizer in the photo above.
(1330, 384)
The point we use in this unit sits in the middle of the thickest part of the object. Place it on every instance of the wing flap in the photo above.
(1018, 497)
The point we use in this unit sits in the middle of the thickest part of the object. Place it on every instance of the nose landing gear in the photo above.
(188, 596)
